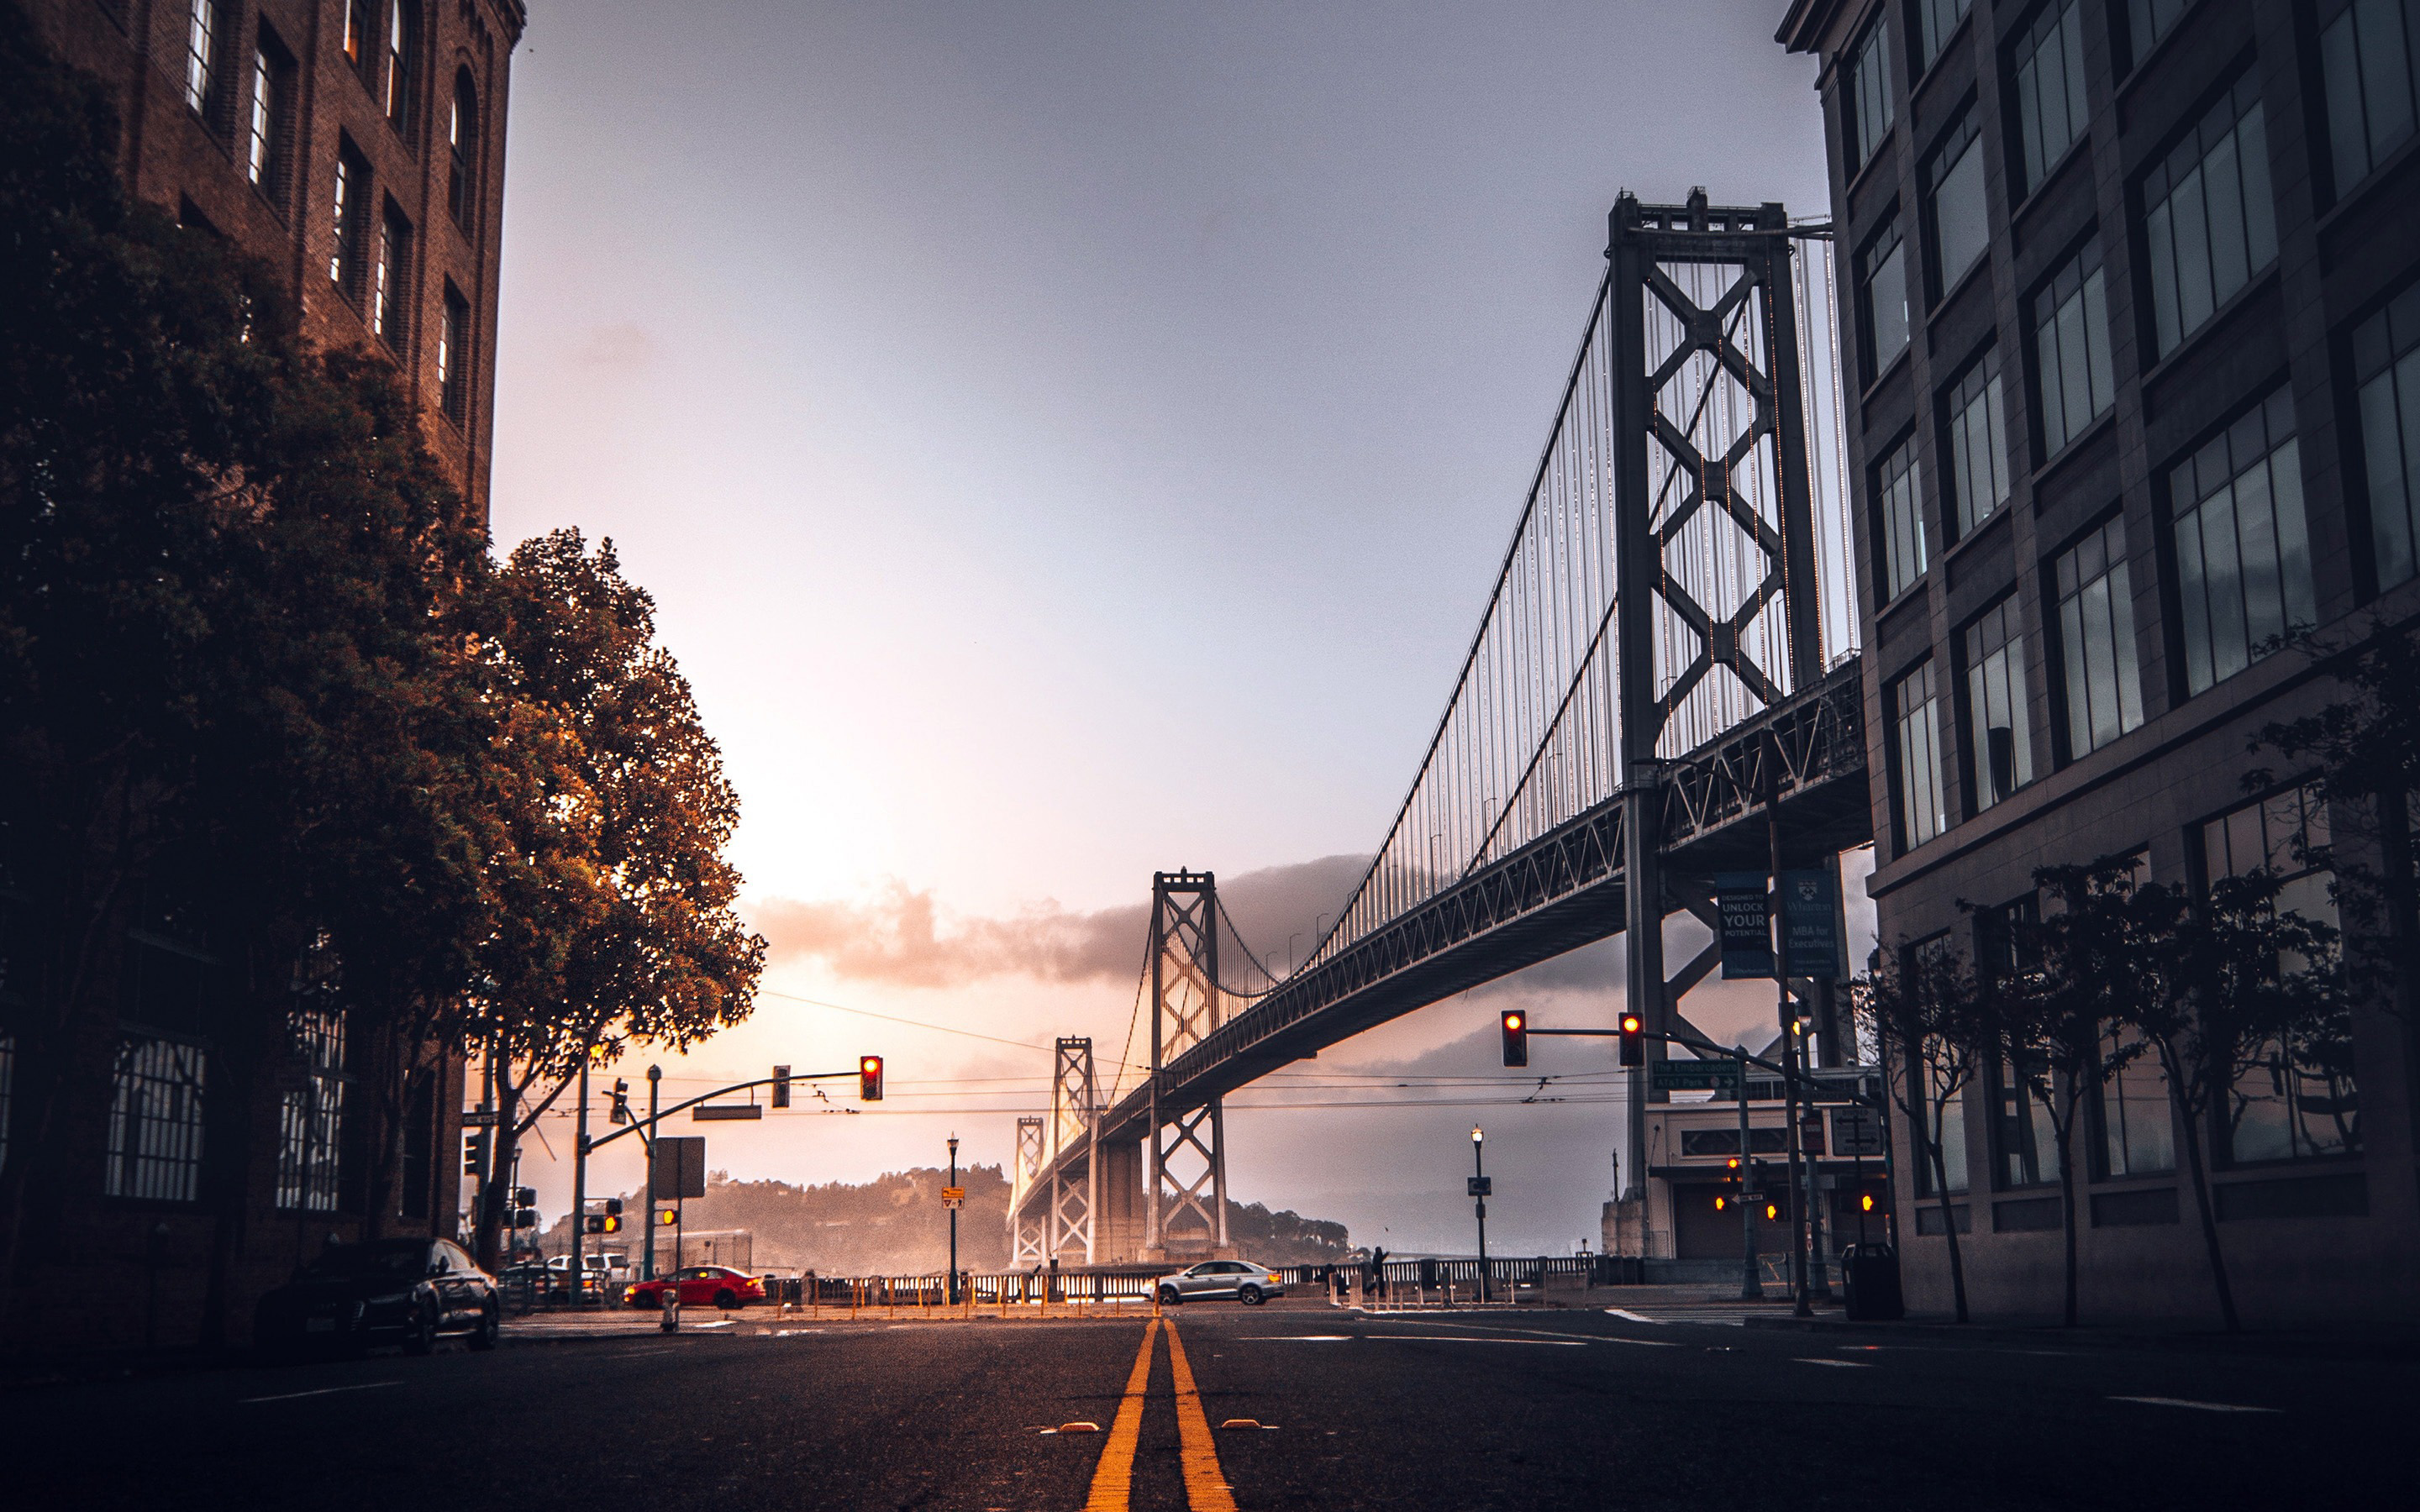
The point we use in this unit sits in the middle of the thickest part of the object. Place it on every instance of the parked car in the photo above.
(595, 1273)
(403, 1291)
(1212, 1280)
(700, 1285)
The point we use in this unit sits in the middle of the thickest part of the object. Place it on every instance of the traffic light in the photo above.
(1729, 1192)
(666, 1217)
(869, 1078)
(621, 1113)
(781, 1087)
(1516, 1037)
(613, 1224)
(1634, 1040)
(613, 1207)
(475, 1151)
(521, 1218)
(595, 1224)
(1865, 1202)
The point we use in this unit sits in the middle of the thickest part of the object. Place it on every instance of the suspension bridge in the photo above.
(1665, 679)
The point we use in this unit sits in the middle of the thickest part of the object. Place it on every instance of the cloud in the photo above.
(902, 937)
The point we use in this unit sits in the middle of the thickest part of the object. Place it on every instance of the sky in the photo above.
(1070, 440)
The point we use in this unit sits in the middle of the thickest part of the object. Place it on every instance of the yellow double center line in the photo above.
(1205, 1484)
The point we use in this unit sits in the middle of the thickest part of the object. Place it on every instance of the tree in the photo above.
(1926, 1011)
(2078, 971)
(642, 945)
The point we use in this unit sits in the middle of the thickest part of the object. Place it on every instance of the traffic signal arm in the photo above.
(1714, 1051)
(636, 1125)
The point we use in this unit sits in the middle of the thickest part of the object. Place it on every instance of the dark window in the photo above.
(2366, 53)
(349, 208)
(2071, 319)
(461, 150)
(1935, 20)
(2137, 1131)
(1865, 96)
(1904, 555)
(396, 65)
(7, 1084)
(269, 148)
(2209, 221)
(155, 1121)
(1881, 280)
(389, 298)
(311, 1116)
(1953, 181)
(2243, 555)
(2049, 68)
(1979, 443)
(2147, 22)
(415, 1195)
(2386, 368)
(1915, 716)
(2000, 720)
(454, 356)
(2103, 686)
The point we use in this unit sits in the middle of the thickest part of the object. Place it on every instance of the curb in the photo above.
(2275, 1346)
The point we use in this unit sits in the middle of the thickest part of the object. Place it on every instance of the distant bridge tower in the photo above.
(1184, 1207)
(1028, 1225)
(1075, 1112)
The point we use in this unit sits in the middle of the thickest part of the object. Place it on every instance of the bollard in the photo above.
(670, 1297)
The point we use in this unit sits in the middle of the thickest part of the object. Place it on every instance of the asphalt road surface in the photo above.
(1578, 1408)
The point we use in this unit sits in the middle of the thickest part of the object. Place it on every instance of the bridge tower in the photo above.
(1075, 1113)
(1185, 1206)
(1029, 1227)
(1710, 454)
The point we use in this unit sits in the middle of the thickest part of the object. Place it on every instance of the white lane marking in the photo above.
(324, 1391)
(1845, 1364)
(1467, 1338)
(1635, 1318)
(2200, 1406)
(1584, 1338)
(1300, 1339)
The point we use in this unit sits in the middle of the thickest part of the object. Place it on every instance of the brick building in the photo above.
(2129, 307)
(357, 146)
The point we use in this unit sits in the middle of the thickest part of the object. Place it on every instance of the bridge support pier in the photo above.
(1185, 1214)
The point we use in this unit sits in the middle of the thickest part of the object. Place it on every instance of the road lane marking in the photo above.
(1467, 1338)
(1114, 1478)
(324, 1391)
(1845, 1364)
(2199, 1407)
(1297, 1338)
(1545, 1334)
(1635, 1318)
(1205, 1484)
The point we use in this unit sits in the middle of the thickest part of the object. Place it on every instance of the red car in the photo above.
(701, 1285)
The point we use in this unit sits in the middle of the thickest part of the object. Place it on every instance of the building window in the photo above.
(2137, 1132)
(387, 304)
(1882, 279)
(461, 148)
(1867, 97)
(2244, 557)
(269, 145)
(414, 1196)
(2070, 317)
(2208, 218)
(1979, 444)
(1954, 180)
(1904, 557)
(348, 203)
(202, 57)
(311, 1117)
(2051, 110)
(2103, 684)
(357, 31)
(8, 1085)
(1935, 21)
(2022, 1134)
(454, 356)
(395, 70)
(2147, 22)
(155, 1121)
(2291, 1100)
(2387, 372)
(2366, 53)
(1999, 729)
(1953, 1142)
(1916, 717)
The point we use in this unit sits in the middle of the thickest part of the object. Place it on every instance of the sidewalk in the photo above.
(2383, 1342)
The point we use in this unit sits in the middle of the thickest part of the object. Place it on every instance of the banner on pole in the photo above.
(1747, 933)
(1811, 931)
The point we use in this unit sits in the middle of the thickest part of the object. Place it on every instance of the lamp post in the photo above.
(953, 1223)
(655, 1088)
(1479, 1195)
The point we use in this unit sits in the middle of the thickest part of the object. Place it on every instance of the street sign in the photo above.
(1857, 1130)
(710, 1112)
(1693, 1075)
(953, 1193)
(1480, 1186)
(958, 1201)
(1741, 900)
(479, 1118)
(679, 1168)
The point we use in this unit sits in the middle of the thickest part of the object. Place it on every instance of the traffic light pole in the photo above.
(954, 1223)
(1478, 1168)
(577, 1279)
(655, 1090)
(1751, 1280)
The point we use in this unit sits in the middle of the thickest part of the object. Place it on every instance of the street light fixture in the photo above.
(1479, 1195)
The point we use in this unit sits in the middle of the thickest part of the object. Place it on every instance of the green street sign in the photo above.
(1693, 1075)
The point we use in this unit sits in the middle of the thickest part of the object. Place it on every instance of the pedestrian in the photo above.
(1378, 1273)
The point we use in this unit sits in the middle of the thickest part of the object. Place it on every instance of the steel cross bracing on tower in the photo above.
(1672, 637)
(1075, 1110)
(1029, 1226)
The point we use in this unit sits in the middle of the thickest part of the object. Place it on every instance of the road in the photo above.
(1574, 1407)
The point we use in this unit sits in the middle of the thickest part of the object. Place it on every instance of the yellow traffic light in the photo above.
(612, 1222)
(1721, 1202)
(1866, 1202)
(1772, 1212)
(667, 1217)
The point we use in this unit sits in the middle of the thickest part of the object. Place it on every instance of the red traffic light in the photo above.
(869, 1078)
(1516, 1038)
(1634, 1040)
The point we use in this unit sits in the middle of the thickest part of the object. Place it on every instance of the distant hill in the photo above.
(895, 1224)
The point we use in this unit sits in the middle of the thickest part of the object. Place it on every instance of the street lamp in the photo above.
(1479, 1195)
(953, 1223)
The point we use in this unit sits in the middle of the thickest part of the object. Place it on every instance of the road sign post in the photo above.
(954, 1196)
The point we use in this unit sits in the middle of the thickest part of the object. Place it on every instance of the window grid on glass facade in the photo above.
(1882, 279)
(202, 56)
(2294, 1101)
(155, 1121)
(1867, 95)
(2386, 374)
(2071, 319)
(1935, 20)
(2209, 221)
(1979, 444)
(2049, 68)
(311, 1117)
(1917, 718)
(2147, 22)
(2103, 683)
(1999, 724)
(2243, 555)
(2137, 1127)
(2367, 57)
(1953, 181)
(1905, 548)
